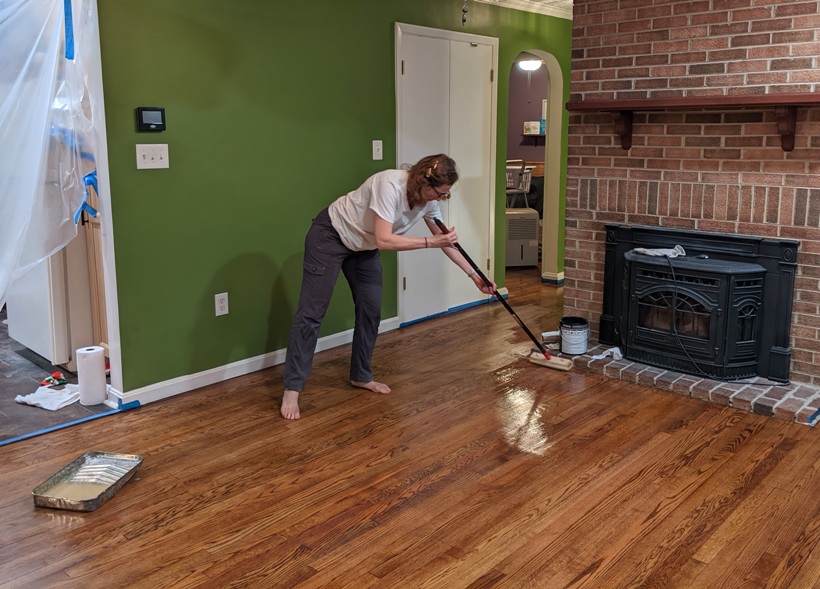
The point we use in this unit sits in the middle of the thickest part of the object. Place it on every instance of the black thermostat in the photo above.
(150, 118)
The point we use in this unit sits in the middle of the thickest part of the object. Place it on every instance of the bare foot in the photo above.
(290, 405)
(376, 387)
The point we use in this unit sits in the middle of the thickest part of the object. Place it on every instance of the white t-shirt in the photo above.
(384, 194)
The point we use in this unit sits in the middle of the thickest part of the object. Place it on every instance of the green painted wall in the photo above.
(271, 108)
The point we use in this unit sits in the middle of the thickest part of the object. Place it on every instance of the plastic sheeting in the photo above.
(47, 135)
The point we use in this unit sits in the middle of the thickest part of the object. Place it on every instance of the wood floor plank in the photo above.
(800, 550)
(668, 547)
(490, 535)
(743, 556)
(641, 523)
(798, 474)
(807, 576)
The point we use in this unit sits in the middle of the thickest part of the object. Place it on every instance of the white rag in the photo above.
(614, 352)
(51, 399)
(669, 253)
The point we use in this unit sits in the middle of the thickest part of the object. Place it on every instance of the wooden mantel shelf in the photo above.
(785, 109)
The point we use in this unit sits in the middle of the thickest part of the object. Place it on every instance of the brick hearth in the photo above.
(795, 402)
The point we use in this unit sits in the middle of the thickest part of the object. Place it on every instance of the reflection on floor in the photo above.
(21, 371)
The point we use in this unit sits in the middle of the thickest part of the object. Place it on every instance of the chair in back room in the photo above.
(520, 189)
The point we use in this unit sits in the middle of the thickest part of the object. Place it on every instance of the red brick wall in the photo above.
(714, 169)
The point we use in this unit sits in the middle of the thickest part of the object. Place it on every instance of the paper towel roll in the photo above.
(91, 375)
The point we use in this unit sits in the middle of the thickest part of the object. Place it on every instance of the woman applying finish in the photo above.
(348, 236)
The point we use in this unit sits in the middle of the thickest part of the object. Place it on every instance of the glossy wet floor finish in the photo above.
(479, 470)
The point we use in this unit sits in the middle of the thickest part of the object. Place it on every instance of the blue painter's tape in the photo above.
(127, 406)
(67, 136)
(71, 139)
(814, 416)
(450, 310)
(414, 321)
(57, 427)
(470, 305)
(84, 207)
(69, 31)
(89, 179)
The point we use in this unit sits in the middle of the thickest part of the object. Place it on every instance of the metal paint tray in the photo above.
(88, 482)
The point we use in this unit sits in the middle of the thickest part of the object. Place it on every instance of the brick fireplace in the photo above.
(699, 116)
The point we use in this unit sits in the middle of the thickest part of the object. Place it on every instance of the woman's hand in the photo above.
(482, 286)
(443, 239)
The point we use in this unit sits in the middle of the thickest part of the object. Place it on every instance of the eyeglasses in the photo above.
(441, 195)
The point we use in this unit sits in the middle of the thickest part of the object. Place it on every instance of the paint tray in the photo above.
(88, 482)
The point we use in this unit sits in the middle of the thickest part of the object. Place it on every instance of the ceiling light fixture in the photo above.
(530, 65)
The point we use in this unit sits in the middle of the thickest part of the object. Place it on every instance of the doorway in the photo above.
(535, 94)
(99, 234)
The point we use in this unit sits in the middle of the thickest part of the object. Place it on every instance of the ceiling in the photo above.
(559, 8)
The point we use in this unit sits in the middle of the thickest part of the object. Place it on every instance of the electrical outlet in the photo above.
(378, 152)
(221, 303)
(152, 155)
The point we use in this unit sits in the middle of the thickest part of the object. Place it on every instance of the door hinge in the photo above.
(492, 74)
(404, 283)
(402, 67)
(488, 264)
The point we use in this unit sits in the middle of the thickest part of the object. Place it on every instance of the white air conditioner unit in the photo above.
(522, 237)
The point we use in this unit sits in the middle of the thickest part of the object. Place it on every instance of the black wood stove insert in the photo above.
(723, 310)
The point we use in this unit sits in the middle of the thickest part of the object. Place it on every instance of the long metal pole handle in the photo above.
(497, 294)
(473, 265)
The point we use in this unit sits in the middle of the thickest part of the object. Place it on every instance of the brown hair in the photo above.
(433, 170)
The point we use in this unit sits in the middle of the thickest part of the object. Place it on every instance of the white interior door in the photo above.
(48, 307)
(424, 76)
(445, 98)
(37, 310)
(471, 146)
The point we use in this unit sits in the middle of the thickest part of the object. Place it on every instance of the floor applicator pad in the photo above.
(553, 362)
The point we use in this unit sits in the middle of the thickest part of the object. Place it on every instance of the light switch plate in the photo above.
(152, 155)
(378, 153)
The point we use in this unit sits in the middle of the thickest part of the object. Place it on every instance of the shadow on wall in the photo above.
(260, 310)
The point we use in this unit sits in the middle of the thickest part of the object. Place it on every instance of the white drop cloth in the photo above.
(51, 399)
(669, 253)
(614, 352)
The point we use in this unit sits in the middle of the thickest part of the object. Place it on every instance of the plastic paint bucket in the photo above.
(574, 335)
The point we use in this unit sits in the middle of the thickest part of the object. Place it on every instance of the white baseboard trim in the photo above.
(183, 384)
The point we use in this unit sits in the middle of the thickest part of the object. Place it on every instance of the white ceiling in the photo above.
(559, 8)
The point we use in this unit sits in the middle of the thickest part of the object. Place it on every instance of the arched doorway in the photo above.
(534, 94)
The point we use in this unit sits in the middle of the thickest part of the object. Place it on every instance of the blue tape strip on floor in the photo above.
(58, 427)
(414, 321)
(450, 310)
(122, 407)
(469, 305)
(813, 416)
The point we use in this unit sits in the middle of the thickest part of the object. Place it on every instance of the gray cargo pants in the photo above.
(325, 255)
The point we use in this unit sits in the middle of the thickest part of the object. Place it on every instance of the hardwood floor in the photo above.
(479, 470)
